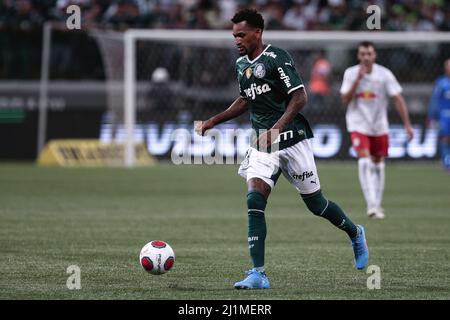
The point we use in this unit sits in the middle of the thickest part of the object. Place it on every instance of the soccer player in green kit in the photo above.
(272, 90)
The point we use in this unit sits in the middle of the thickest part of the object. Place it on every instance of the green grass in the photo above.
(99, 219)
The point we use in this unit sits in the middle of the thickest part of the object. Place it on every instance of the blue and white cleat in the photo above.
(360, 248)
(255, 280)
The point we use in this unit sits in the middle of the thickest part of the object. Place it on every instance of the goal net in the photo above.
(161, 81)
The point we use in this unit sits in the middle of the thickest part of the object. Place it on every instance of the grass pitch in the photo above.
(98, 219)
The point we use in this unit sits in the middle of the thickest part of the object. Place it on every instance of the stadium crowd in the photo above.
(75, 55)
(401, 15)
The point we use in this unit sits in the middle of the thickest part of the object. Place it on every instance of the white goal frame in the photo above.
(225, 37)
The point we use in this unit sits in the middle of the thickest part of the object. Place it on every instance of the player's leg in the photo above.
(361, 144)
(327, 209)
(444, 125)
(320, 206)
(379, 150)
(300, 169)
(258, 193)
(379, 182)
(261, 172)
(445, 152)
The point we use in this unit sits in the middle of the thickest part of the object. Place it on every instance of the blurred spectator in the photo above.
(215, 18)
(295, 17)
(26, 16)
(123, 14)
(319, 87)
(197, 18)
(21, 22)
(339, 18)
(176, 19)
(445, 25)
(20, 55)
(273, 13)
(422, 15)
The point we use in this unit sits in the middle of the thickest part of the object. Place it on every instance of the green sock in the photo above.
(329, 210)
(257, 231)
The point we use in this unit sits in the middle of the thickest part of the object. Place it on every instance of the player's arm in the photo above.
(400, 106)
(238, 107)
(348, 95)
(297, 100)
(433, 110)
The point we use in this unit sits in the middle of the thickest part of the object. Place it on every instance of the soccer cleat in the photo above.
(360, 248)
(380, 213)
(372, 213)
(255, 280)
(376, 213)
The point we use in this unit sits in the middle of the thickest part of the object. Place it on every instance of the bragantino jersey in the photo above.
(266, 83)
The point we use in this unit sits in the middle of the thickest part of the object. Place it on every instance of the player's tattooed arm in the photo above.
(238, 107)
(400, 106)
(297, 100)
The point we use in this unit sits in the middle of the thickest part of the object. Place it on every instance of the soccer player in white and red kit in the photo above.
(366, 89)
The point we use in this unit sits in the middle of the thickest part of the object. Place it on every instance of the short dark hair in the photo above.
(253, 18)
(367, 44)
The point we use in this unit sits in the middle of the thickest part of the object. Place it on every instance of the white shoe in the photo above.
(380, 213)
(375, 213)
(372, 213)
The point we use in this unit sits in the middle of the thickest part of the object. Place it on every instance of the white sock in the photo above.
(366, 180)
(260, 269)
(378, 169)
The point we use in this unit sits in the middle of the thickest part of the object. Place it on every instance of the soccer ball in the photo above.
(157, 257)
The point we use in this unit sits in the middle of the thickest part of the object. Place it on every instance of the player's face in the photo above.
(367, 55)
(246, 37)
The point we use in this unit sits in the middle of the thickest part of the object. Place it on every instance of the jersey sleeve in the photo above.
(392, 86)
(346, 82)
(287, 74)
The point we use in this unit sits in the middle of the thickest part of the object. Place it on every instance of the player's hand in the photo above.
(202, 126)
(266, 139)
(410, 132)
(362, 71)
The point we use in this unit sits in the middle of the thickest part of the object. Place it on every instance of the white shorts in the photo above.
(296, 163)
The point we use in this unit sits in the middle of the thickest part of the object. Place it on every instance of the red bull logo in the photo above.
(366, 95)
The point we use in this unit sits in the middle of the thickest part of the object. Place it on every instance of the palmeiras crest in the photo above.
(259, 70)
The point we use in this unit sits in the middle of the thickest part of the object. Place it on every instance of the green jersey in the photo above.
(266, 83)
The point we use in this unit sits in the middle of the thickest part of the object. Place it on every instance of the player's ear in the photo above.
(258, 33)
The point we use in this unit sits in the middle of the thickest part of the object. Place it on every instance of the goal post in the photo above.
(43, 86)
(138, 50)
(130, 98)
